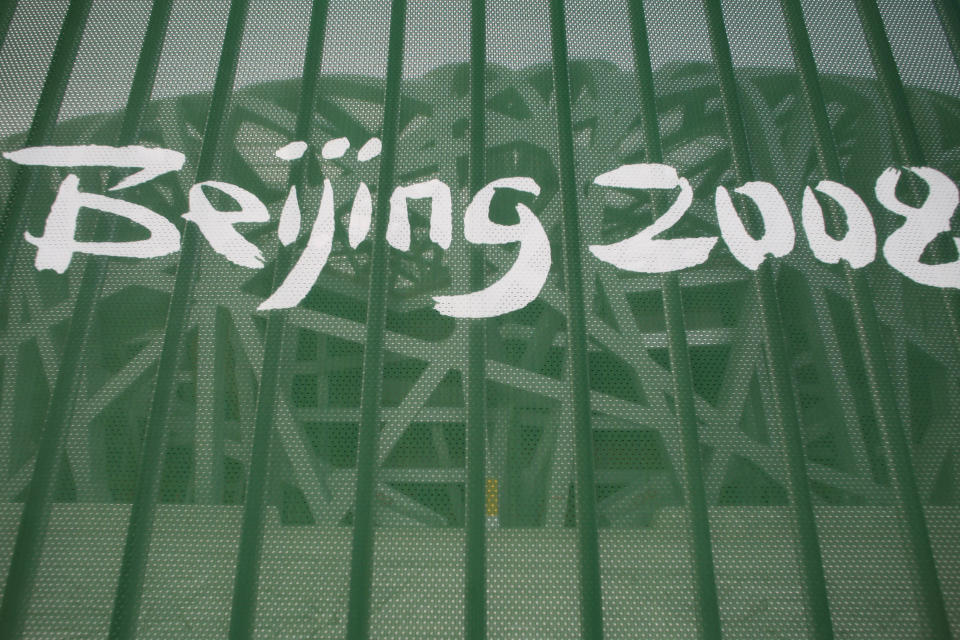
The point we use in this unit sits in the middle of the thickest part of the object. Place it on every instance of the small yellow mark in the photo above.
(493, 505)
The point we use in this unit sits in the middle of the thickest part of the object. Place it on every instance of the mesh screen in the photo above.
(275, 405)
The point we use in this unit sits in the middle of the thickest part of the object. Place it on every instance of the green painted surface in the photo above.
(773, 455)
(531, 591)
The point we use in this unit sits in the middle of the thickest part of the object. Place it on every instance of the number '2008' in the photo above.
(644, 252)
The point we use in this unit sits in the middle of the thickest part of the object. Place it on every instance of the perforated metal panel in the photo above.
(724, 449)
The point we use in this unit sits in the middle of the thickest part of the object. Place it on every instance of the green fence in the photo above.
(724, 450)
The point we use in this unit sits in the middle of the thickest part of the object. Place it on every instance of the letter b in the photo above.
(55, 248)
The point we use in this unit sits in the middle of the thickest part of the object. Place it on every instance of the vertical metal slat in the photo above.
(36, 511)
(62, 396)
(709, 610)
(361, 561)
(949, 12)
(904, 130)
(13, 221)
(246, 581)
(898, 448)
(7, 9)
(591, 610)
(778, 363)
(126, 607)
(476, 569)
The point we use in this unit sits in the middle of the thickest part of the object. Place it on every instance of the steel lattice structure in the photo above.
(421, 463)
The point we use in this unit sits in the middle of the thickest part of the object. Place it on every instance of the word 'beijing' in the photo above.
(643, 252)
